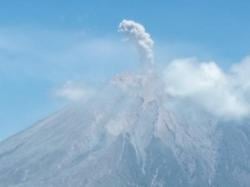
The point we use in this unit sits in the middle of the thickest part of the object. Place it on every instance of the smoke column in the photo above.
(137, 33)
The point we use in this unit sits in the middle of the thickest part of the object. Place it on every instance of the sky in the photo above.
(48, 47)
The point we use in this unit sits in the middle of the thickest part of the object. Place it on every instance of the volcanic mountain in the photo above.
(129, 135)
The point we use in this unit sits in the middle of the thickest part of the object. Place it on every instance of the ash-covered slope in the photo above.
(128, 135)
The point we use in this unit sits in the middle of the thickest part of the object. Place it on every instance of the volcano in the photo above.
(129, 135)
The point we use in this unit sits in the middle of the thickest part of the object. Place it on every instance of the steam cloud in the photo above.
(138, 34)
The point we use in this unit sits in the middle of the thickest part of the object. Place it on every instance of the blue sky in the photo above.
(45, 43)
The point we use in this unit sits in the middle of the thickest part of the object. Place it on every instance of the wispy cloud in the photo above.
(61, 53)
(73, 91)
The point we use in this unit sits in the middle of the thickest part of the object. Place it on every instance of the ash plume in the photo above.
(137, 33)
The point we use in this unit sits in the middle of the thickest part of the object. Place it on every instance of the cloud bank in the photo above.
(137, 33)
(222, 93)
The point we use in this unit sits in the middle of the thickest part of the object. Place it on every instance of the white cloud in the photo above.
(223, 94)
(73, 91)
